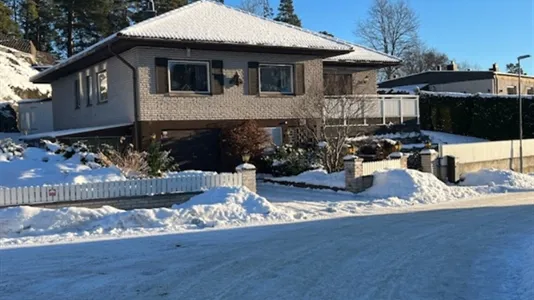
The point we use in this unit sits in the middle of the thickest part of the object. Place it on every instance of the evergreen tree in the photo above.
(7, 25)
(267, 9)
(286, 13)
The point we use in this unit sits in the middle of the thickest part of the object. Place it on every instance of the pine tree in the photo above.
(7, 25)
(267, 10)
(286, 13)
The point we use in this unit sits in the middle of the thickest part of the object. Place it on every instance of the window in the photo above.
(77, 97)
(530, 90)
(511, 90)
(275, 133)
(276, 79)
(102, 86)
(189, 77)
(88, 89)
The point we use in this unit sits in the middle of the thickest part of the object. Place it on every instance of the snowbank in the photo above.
(494, 178)
(316, 177)
(15, 72)
(399, 187)
(218, 207)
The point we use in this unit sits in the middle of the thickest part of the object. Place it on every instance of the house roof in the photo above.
(437, 77)
(205, 24)
(364, 55)
(16, 43)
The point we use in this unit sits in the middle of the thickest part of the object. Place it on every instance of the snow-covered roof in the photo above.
(211, 22)
(59, 133)
(405, 88)
(361, 54)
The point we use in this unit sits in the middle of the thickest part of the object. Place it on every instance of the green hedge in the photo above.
(494, 118)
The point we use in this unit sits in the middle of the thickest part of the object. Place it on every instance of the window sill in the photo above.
(188, 95)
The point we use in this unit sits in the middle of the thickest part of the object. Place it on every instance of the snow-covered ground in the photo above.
(467, 249)
(15, 72)
(316, 177)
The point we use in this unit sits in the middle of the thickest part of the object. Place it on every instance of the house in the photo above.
(453, 80)
(27, 46)
(184, 75)
(35, 116)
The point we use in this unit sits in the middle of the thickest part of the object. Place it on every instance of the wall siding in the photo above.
(234, 103)
(504, 81)
(118, 109)
(43, 117)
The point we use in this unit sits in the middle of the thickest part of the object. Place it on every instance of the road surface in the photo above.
(475, 249)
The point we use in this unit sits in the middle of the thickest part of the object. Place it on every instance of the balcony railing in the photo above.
(355, 110)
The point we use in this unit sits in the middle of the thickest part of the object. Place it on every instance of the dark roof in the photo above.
(16, 43)
(437, 77)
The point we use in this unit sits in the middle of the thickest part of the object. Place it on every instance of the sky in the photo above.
(480, 32)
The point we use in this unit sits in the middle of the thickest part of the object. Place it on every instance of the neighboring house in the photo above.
(35, 116)
(184, 75)
(452, 80)
(27, 46)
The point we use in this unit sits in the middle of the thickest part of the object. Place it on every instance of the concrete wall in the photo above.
(35, 117)
(126, 203)
(473, 86)
(234, 103)
(504, 81)
(118, 109)
(502, 164)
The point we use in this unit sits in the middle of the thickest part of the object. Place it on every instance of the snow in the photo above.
(412, 89)
(15, 72)
(322, 144)
(59, 133)
(316, 177)
(39, 167)
(408, 187)
(361, 54)
(467, 95)
(447, 138)
(429, 151)
(498, 178)
(246, 166)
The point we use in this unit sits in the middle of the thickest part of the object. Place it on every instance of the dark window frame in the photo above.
(292, 78)
(206, 63)
(77, 94)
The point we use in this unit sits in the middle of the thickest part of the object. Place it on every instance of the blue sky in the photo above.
(480, 32)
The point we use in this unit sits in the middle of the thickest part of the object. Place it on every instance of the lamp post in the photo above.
(520, 112)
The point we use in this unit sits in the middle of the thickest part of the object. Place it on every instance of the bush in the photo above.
(245, 138)
(132, 163)
(289, 161)
(158, 160)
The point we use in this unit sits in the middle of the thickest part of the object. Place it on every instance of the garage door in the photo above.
(194, 149)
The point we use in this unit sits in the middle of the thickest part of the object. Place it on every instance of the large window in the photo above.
(530, 91)
(189, 76)
(276, 79)
(511, 90)
(77, 96)
(102, 78)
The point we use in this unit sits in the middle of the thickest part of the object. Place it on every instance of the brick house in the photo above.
(184, 75)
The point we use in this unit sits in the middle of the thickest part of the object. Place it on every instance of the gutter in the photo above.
(137, 136)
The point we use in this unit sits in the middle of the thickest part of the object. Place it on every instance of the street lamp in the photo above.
(520, 111)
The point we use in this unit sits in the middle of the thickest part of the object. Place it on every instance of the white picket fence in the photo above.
(370, 167)
(116, 189)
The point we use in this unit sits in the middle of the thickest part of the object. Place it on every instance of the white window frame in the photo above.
(98, 87)
(292, 76)
(189, 62)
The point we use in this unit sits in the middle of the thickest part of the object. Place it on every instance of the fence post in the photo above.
(453, 170)
(403, 159)
(248, 173)
(429, 158)
(353, 173)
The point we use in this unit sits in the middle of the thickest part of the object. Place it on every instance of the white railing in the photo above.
(370, 167)
(364, 107)
(487, 151)
(117, 189)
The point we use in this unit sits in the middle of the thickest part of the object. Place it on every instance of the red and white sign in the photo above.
(52, 192)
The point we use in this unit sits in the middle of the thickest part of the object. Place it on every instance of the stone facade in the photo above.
(429, 161)
(354, 180)
(248, 172)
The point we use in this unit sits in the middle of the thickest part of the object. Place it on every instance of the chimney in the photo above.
(151, 10)
(452, 66)
(494, 67)
(438, 68)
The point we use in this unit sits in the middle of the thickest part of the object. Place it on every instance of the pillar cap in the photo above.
(245, 166)
(428, 151)
(350, 157)
(396, 155)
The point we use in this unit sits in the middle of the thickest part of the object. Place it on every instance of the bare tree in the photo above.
(391, 27)
(257, 7)
(467, 66)
(331, 120)
(420, 59)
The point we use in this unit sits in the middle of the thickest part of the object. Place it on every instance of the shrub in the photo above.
(132, 163)
(288, 160)
(245, 138)
(159, 160)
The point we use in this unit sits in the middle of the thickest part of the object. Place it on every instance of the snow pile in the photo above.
(219, 207)
(447, 138)
(316, 177)
(15, 72)
(400, 186)
(36, 167)
(498, 178)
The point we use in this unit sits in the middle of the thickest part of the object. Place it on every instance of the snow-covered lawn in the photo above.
(316, 177)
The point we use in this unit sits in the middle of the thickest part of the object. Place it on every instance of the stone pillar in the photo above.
(353, 173)
(429, 158)
(248, 171)
(403, 159)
